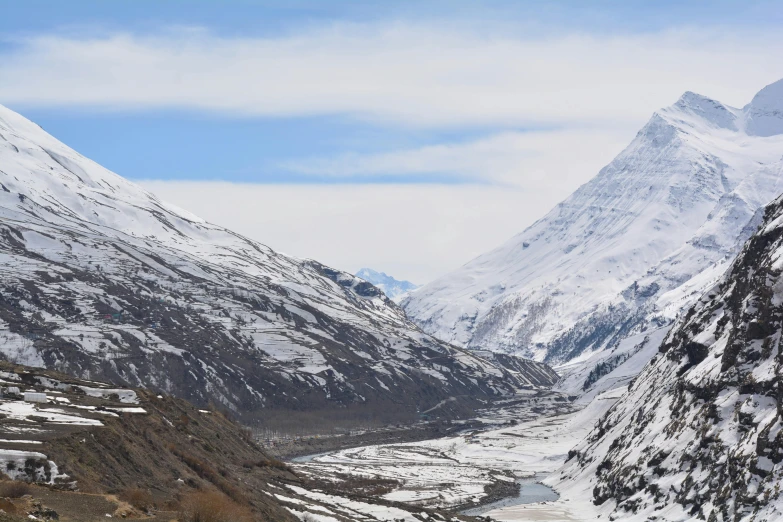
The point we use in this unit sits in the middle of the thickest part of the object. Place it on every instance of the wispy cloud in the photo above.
(531, 160)
(403, 73)
(416, 232)
(583, 95)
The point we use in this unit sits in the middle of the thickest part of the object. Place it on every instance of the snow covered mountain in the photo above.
(629, 250)
(699, 434)
(101, 279)
(393, 288)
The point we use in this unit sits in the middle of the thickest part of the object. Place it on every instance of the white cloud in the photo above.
(530, 160)
(592, 91)
(415, 232)
(408, 74)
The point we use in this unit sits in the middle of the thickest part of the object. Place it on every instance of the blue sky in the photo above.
(515, 103)
(254, 17)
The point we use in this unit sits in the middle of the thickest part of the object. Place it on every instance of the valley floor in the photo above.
(476, 467)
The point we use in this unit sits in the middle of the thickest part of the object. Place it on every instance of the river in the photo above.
(530, 492)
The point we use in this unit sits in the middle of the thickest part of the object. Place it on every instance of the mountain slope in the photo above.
(699, 434)
(89, 440)
(629, 249)
(393, 288)
(102, 279)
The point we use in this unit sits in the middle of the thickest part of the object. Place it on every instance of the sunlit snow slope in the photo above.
(629, 250)
(101, 279)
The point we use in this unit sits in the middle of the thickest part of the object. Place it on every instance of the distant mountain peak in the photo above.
(369, 272)
(393, 288)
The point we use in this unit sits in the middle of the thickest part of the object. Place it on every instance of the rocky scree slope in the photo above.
(699, 434)
(629, 250)
(102, 280)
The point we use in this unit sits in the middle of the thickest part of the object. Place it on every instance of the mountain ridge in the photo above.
(102, 279)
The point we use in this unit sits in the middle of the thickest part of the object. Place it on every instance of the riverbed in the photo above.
(468, 471)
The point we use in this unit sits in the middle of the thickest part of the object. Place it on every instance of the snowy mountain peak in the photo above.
(51, 181)
(626, 251)
(764, 114)
(393, 288)
(707, 109)
(762, 117)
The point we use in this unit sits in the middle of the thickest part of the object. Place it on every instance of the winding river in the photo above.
(530, 492)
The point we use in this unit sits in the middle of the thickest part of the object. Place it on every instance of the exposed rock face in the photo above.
(628, 251)
(700, 432)
(101, 279)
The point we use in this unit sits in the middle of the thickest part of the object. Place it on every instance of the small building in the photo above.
(13, 390)
(35, 397)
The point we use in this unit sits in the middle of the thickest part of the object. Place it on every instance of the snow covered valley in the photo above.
(476, 467)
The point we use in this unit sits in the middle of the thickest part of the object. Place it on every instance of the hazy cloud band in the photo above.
(406, 74)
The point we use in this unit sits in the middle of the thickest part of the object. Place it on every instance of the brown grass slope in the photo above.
(174, 461)
(171, 450)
